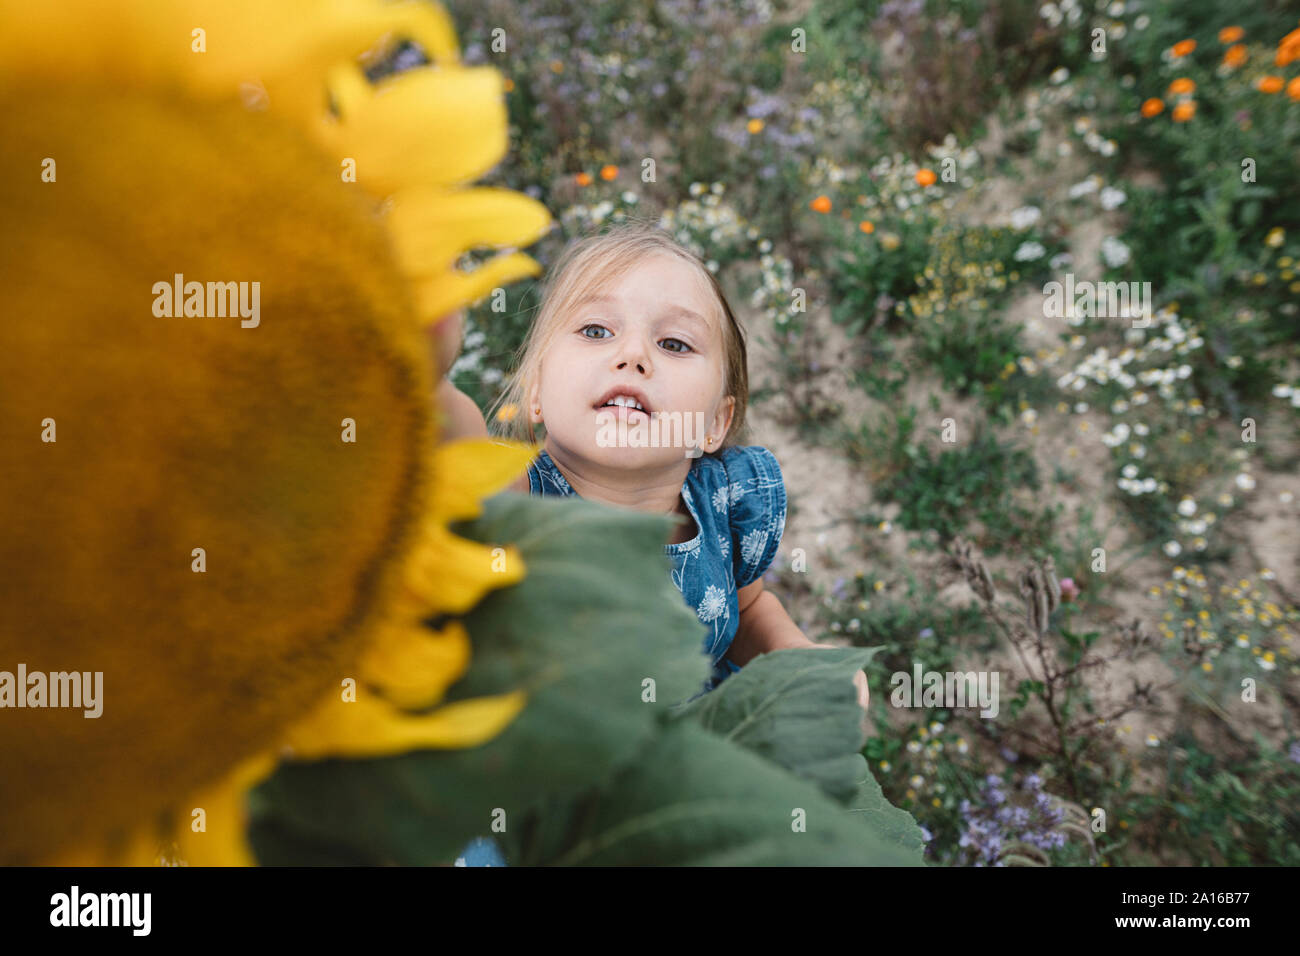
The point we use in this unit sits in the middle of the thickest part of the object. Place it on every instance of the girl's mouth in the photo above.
(623, 411)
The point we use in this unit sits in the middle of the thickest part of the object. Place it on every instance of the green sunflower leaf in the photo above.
(799, 709)
(692, 798)
(888, 821)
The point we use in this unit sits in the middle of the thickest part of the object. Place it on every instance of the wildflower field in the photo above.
(1021, 287)
(888, 190)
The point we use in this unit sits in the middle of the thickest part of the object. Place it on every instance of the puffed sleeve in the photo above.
(753, 497)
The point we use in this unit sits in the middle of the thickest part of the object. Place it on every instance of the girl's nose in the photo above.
(634, 352)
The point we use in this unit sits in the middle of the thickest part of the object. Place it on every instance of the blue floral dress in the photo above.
(737, 498)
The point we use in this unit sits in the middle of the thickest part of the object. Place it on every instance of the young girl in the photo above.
(631, 316)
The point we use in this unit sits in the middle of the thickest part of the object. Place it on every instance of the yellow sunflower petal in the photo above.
(436, 297)
(400, 131)
(414, 665)
(222, 841)
(252, 39)
(372, 727)
(459, 572)
(430, 227)
(470, 469)
(139, 42)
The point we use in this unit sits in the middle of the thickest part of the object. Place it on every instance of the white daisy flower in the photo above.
(1114, 252)
(1029, 251)
(1083, 188)
(1024, 217)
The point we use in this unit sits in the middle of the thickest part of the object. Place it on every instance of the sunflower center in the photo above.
(200, 530)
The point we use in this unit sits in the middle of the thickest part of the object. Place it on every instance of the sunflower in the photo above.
(241, 520)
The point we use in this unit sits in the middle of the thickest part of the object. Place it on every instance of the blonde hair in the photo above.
(590, 265)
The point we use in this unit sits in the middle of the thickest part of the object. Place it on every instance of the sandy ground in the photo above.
(829, 493)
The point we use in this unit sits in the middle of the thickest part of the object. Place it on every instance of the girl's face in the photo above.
(652, 333)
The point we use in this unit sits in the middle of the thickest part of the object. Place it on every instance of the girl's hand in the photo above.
(460, 417)
(864, 692)
(859, 681)
(446, 337)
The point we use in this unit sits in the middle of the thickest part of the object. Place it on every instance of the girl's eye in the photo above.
(592, 325)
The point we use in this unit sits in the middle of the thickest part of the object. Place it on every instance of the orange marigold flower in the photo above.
(1293, 88)
(1235, 55)
(821, 204)
(583, 179)
(1269, 84)
(1153, 107)
(1181, 85)
(867, 226)
(1183, 47)
(925, 177)
(608, 172)
(1288, 49)
(1231, 34)
(1184, 111)
(510, 85)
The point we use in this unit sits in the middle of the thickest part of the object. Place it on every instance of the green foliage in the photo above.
(868, 280)
(950, 490)
(1228, 812)
(591, 771)
(693, 798)
(781, 712)
(969, 350)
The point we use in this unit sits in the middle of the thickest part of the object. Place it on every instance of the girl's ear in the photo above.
(722, 421)
(532, 400)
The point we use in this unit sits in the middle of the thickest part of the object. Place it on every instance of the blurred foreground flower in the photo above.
(238, 144)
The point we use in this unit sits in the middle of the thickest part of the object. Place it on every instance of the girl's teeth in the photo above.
(630, 402)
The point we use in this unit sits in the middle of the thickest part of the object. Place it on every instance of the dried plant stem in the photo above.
(1047, 696)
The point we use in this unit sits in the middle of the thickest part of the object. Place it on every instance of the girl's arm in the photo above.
(462, 418)
(766, 626)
